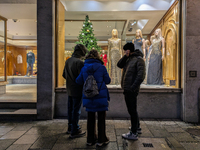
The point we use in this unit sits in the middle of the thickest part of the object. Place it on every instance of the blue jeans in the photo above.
(74, 112)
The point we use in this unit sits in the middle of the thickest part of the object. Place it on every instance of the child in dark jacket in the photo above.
(99, 103)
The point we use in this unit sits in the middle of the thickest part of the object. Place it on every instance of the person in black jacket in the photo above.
(133, 75)
(71, 71)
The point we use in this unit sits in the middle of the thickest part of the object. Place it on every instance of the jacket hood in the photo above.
(79, 51)
(137, 52)
(92, 65)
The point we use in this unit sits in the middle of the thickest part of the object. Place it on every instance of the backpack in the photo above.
(90, 88)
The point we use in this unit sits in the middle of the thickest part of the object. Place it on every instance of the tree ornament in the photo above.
(91, 26)
(88, 20)
(83, 25)
(91, 40)
(88, 30)
(82, 33)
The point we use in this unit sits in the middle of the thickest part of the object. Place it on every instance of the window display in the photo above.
(155, 58)
(157, 38)
(114, 55)
(30, 59)
(2, 48)
(139, 42)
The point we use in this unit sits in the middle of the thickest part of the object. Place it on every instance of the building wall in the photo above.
(192, 61)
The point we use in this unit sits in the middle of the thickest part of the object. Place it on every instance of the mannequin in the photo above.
(139, 42)
(147, 45)
(30, 58)
(114, 55)
(104, 56)
(156, 56)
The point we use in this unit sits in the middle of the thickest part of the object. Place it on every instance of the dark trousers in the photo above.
(91, 127)
(74, 111)
(131, 103)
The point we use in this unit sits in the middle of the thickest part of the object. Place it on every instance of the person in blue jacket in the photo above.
(94, 65)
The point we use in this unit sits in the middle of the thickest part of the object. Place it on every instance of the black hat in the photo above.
(129, 46)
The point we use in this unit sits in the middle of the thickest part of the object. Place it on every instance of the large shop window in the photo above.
(2, 48)
(153, 27)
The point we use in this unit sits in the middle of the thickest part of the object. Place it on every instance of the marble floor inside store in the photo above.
(20, 93)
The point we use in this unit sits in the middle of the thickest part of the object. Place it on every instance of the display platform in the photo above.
(22, 80)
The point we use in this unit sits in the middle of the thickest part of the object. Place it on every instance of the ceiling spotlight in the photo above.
(15, 20)
(131, 24)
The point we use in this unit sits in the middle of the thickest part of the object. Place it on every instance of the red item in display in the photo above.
(104, 56)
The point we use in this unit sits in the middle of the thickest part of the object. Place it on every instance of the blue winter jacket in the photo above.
(98, 70)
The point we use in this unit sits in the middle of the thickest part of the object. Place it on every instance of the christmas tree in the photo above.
(86, 36)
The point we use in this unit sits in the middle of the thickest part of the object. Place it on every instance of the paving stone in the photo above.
(44, 143)
(179, 149)
(64, 138)
(191, 146)
(5, 144)
(122, 123)
(111, 136)
(175, 128)
(120, 131)
(54, 133)
(81, 143)
(67, 146)
(4, 130)
(120, 141)
(158, 144)
(13, 135)
(145, 132)
(110, 146)
(160, 132)
(18, 147)
(183, 137)
(37, 130)
(22, 127)
(57, 126)
(174, 142)
(27, 139)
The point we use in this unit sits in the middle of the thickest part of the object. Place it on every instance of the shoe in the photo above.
(139, 130)
(103, 144)
(69, 130)
(130, 136)
(79, 133)
(92, 143)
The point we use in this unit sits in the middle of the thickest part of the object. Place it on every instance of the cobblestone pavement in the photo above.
(50, 135)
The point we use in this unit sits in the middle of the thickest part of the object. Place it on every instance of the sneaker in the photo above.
(130, 136)
(103, 144)
(139, 130)
(79, 133)
(92, 143)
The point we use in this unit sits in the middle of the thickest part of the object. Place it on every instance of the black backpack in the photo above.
(90, 88)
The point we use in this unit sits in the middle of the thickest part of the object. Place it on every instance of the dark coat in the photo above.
(98, 102)
(133, 71)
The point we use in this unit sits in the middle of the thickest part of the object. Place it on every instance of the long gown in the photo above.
(114, 57)
(138, 44)
(154, 70)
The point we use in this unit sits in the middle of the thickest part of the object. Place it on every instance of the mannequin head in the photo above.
(114, 33)
(138, 33)
(158, 33)
(103, 52)
(147, 43)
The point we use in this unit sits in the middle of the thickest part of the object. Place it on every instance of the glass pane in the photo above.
(2, 50)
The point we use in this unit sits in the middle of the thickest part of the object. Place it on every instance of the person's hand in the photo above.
(127, 52)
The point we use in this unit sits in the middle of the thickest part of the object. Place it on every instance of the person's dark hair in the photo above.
(129, 46)
(94, 54)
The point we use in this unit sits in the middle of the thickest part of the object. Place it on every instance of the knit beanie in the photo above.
(129, 46)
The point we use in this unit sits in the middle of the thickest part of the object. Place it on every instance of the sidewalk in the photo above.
(50, 135)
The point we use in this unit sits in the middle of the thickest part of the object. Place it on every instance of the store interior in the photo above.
(124, 16)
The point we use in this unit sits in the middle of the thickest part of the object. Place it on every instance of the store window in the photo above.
(2, 48)
(153, 27)
(21, 31)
